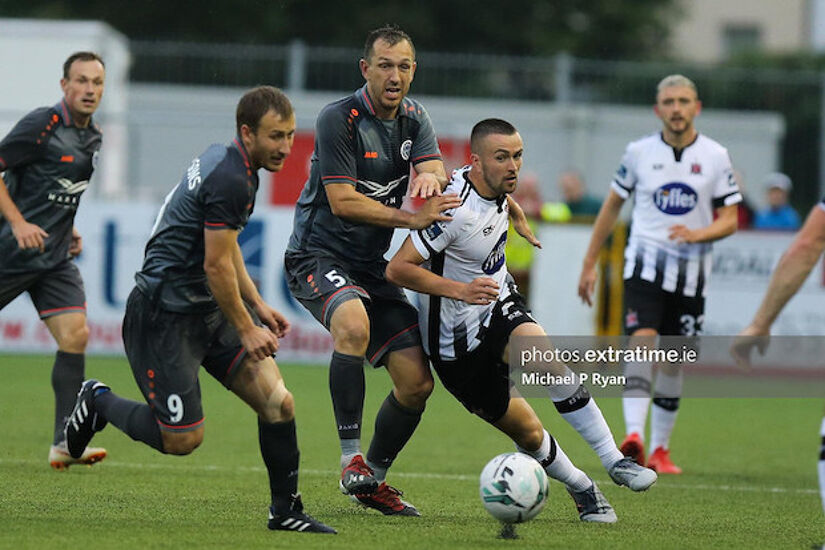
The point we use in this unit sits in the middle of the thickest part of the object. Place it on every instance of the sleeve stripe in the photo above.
(426, 157)
(339, 177)
(418, 241)
(424, 241)
(210, 224)
(727, 200)
(628, 189)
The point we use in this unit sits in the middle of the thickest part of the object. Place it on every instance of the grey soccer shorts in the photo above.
(321, 283)
(166, 349)
(53, 292)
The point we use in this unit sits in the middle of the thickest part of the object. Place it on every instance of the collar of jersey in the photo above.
(695, 139)
(363, 99)
(66, 117)
(498, 201)
(242, 150)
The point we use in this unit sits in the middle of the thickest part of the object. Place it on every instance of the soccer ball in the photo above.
(513, 487)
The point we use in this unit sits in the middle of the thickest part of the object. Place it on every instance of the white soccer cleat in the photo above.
(60, 459)
(627, 472)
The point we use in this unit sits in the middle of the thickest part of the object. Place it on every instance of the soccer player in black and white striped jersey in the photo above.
(470, 312)
(682, 180)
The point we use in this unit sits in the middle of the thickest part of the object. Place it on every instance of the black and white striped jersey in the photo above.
(673, 188)
(469, 246)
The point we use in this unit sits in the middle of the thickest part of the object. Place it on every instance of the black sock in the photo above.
(279, 449)
(347, 388)
(394, 425)
(132, 418)
(67, 376)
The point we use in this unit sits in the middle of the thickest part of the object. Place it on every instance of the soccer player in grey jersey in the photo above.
(365, 145)
(194, 304)
(472, 311)
(681, 180)
(47, 160)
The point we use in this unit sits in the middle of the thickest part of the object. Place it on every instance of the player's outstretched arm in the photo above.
(791, 271)
(793, 268)
(219, 266)
(347, 203)
(405, 270)
(28, 235)
(520, 224)
(608, 214)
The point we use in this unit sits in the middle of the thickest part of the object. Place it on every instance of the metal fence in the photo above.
(798, 95)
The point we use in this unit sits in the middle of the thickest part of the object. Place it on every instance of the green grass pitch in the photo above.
(749, 481)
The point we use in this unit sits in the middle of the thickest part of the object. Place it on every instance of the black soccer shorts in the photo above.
(480, 380)
(53, 292)
(322, 283)
(647, 305)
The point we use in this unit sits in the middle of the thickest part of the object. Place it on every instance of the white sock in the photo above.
(636, 397)
(667, 391)
(821, 465)
(560, 468)
(591, 425)
(561, 392)
(349, 449)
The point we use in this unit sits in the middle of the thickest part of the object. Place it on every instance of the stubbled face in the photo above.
(677, 106)
(269, 146)
(83, 89)
(389, 73)
(499, 163)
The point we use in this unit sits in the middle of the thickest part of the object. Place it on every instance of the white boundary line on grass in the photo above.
(420, 475)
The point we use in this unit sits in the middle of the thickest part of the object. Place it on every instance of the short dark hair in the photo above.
(80, 56)
(390, 34)
(487, 127)
(259, 101)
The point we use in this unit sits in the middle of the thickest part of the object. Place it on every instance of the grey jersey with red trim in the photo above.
(355, 147)
(47, 162)
(216, 192)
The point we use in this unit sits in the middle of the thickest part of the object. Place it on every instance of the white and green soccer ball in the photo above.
(513, 487)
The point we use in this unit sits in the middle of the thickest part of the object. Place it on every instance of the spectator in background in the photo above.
(779, 215)
(575, 195)
(746, 213)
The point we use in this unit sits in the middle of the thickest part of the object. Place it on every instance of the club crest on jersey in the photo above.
(695, 168)
(675, 198)
(496, 257)
(95, 160)
(406, 147)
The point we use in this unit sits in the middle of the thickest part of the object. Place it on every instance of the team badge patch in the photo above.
(631, 319)
(406, 147)
(695, 168)
(433, 231)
